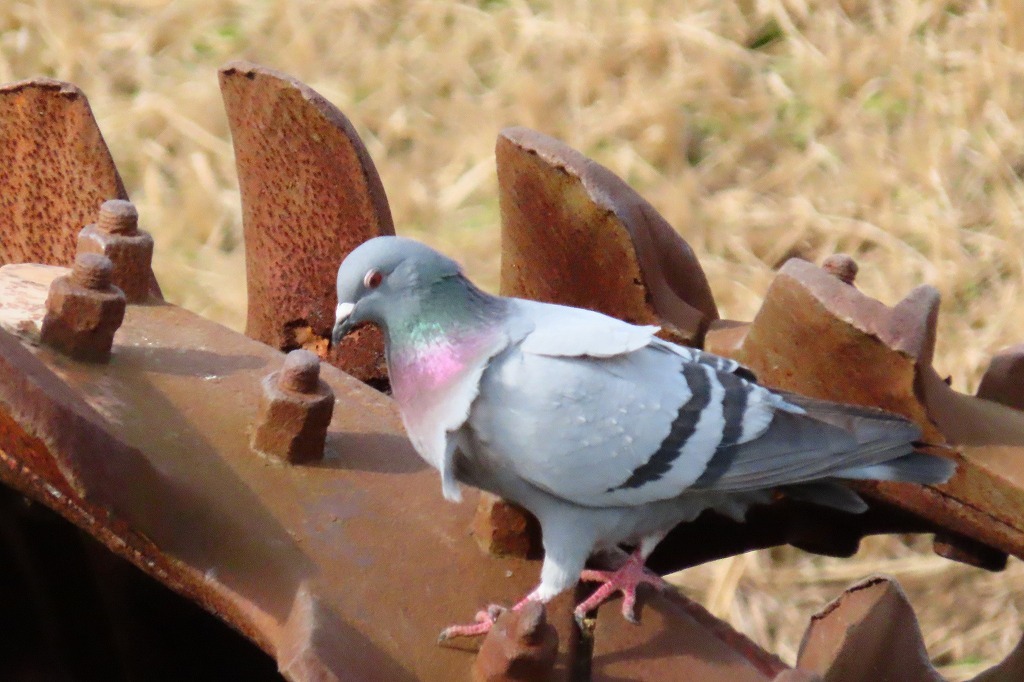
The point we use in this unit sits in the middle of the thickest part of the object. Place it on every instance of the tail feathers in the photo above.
(915, 467)
(827, 494)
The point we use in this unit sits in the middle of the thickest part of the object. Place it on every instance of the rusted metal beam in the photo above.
(310, 194)
(344, 568)
(151, 453)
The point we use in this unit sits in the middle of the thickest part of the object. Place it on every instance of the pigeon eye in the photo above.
(372, 279)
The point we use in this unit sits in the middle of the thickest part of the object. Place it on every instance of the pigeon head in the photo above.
(385, 279)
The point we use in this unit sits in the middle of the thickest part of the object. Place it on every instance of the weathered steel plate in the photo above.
(310, 194)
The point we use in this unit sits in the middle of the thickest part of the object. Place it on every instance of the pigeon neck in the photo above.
(452, 329)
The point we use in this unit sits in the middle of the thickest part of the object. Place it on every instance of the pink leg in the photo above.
(484, 621)
(625, 579)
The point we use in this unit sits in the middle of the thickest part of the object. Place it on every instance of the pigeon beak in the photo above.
(342, 322)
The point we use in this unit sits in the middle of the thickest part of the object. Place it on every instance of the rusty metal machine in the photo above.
(206, 458)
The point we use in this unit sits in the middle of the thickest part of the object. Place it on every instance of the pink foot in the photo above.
(626, 579)
(484, 622)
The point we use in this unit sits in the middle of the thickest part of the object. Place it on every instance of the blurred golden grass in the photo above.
(762, 129)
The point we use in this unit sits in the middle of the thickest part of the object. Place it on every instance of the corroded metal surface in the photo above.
(300, 558)
(55, 171)
(310, 194)
(574, 233)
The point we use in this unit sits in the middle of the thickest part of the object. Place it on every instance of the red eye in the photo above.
(372, 279)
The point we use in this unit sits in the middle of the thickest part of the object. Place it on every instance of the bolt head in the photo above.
(92, 271)
(301, 372)
(81, 322)
(292, 426)
(118, 216)
(842, 267)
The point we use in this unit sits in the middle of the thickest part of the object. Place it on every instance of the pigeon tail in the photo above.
(916, 467)
(827, 494)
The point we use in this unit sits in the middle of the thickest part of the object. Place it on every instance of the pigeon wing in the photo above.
(602, 413)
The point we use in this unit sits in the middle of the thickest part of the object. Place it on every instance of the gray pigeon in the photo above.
(609, 435)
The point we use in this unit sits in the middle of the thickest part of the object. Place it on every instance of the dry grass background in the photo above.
(889, 129)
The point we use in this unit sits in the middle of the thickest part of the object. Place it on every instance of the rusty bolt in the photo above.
(521, 645)
(842, 267)
(83, 310)
(117, 236)
(295, 411)
(504, 529)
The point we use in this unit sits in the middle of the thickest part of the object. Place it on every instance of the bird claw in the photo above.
(584, 622)
(483, 622)
(625, 579)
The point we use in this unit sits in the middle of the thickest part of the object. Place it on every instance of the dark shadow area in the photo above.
(810, 527)
(380, 453)
(71, 610)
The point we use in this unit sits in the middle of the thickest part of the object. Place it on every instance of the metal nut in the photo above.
(842, 267)
(295, 411)
(116, 235)
(521, 645)
(84, 310)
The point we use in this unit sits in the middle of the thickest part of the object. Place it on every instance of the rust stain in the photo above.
(310, 194)
(56, 172)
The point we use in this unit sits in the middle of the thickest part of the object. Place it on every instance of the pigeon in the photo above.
(608, 434)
